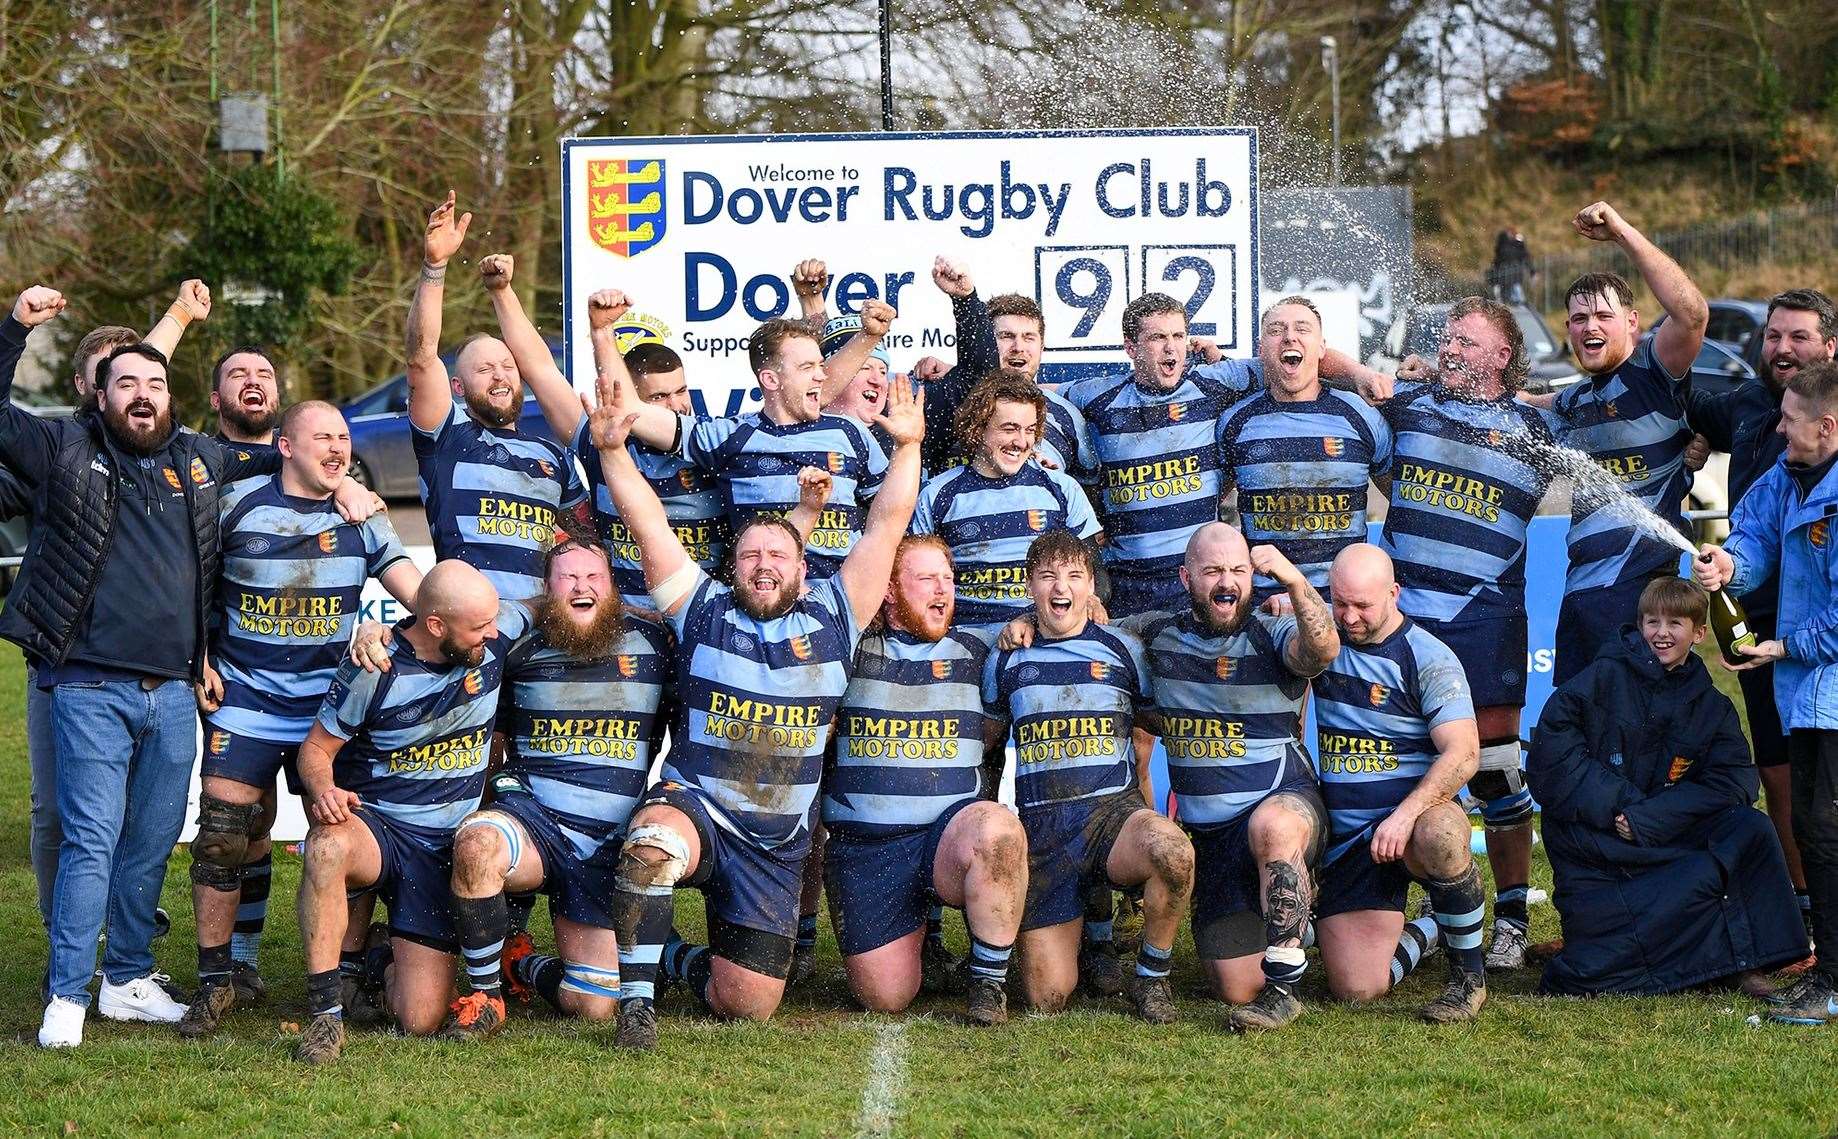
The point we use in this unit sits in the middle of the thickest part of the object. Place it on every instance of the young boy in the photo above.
(1666, 875)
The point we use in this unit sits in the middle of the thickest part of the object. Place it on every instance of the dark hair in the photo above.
(1592, 285)
(138, 348)
(1817, 384)
(1017, 304)
(1004, 385)
(285, 428)
(1149, 304)
(99, 342)
(1294, 299)
(244, 350)
(651, 359)
(1503, 321)
(1808, 300)
(1057, 547)
(764, 345)
(1675, 597)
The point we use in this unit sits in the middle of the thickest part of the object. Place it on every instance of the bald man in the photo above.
(1397, 741)
(1227, 686)
(393, 764)
(493, 495)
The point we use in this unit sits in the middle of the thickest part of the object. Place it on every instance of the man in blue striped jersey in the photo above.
(293, 574)
(1227, 686)
(493, 495)
(1072, 696)
(581, 692)
(690, 495)
(1472, 463)
(990, 511)
(1297, 456)
(1628, 417)
(760, 672)
(393, 764)
(1397, 741)
(908, 801)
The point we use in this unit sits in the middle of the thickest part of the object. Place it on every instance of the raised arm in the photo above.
(652, 424)
(838, 370)
(814, 486)
(430, 391)
(1316, 642)
(535, 363)
(660, 553)
(810, 280)
(868, 567)
(27, 441)
(1676, 343)
(192, 304)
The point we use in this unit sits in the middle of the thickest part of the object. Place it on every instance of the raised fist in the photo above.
(495, 270)
(929, 368)
(605, 308)
(810, 278)
(877, 317)
(195, 298)
(1598, 221)
(951, 278)
(37, 305)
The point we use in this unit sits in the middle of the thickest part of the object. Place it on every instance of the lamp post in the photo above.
(886, 64)
(1330, 59)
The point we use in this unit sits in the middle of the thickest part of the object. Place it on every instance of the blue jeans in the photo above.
(125, 754)
(47, 835)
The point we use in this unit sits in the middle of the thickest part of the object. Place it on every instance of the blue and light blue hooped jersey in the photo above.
(1631, 424)
(1466, 479)
(1065, 441)
(692, 502)
(293, 574)
(1230, 712)
(909, 735)
(1376, 706)
(418, 737)
(989, 523)
(1158, 459)
(492, 498)
(757, 698)
(1299, 472)
(581, 732)
(1070, 704)
(757, 462)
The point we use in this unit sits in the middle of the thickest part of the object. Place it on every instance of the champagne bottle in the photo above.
(1731, 625)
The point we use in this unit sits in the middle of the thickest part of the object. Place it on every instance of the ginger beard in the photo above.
(923, 593)
(489, 383)
(768, 571)
(583, 624)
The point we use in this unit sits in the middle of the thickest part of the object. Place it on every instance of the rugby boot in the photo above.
(208, 1007)
(474, 1017)
(988, 1003)
(1793, 992)
(1508, 948)
(1153, 998)
(516, 947)
(363, 996)
(1100, 970)
(940, 970)
(1809, 1001)
(1461, 999)
(1269, 1010)
(249, 986)
(322, 1041)
(637, 1026)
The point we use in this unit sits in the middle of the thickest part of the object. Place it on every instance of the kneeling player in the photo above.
(760, 673)
(1228, 686)
(394, 763)
(905, 802)
(581, 693)
(1397, 740)
(1073, 696)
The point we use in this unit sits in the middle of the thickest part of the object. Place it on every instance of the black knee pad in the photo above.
(755, 949)
(222, 842)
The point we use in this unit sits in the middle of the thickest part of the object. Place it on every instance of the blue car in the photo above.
(382, 443)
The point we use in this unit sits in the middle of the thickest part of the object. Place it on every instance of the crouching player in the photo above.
(1397, 739)
(760, 671)
(395, 762)
(905, 803)
(1073, 695)
(1228, 686)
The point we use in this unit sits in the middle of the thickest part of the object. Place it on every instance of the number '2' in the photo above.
(1202, 270)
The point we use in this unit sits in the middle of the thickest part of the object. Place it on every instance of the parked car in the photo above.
(382, 442)
(1420, 332)
(1736, 324)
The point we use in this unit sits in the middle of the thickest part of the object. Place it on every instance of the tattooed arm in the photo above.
(1316, 642)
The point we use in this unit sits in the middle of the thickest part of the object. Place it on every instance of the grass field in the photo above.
(1531, 1066)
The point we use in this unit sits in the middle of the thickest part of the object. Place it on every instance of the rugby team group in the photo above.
(842, 609)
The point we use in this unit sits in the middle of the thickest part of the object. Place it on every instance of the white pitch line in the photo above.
(886, 1081)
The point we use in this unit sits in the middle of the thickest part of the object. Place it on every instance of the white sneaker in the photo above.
(63, 1025)
(1508, 948)
(139, 999)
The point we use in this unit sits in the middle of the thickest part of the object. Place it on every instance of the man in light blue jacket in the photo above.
(1784, 526)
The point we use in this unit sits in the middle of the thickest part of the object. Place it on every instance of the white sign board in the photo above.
(703, 234)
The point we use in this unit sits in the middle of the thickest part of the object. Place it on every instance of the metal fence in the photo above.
(1792, 235)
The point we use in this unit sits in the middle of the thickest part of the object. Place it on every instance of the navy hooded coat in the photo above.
(1702, 892)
